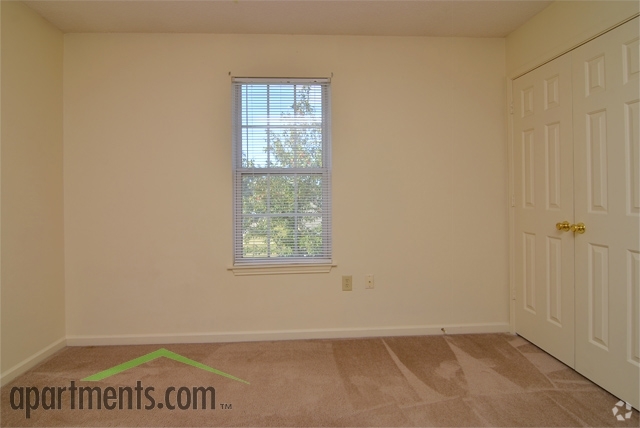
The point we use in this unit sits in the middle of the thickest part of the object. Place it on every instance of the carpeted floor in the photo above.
(458, 380)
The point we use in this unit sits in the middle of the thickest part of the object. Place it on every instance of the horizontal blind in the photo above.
(282, 171)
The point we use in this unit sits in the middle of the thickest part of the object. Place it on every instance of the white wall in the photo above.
(33, 320)
(419, 181)
(560, 27)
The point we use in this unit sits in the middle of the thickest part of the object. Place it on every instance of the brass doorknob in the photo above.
(578, 228)
(565, 226)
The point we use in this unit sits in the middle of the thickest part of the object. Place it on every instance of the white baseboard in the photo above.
(253, 336)
(246, 336)
(32, 361)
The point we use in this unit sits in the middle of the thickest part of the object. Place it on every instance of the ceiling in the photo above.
(458, 18)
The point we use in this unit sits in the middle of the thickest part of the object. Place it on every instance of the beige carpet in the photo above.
(463, 380)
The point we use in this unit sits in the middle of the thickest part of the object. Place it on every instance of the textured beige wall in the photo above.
(560, 27)
(419, 182)
(32, 192)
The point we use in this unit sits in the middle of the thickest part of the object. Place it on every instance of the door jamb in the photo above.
(511, 206)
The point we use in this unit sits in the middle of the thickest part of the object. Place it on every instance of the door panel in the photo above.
(543, 183)
(607, 200)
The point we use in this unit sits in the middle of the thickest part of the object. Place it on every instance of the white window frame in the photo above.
(274, 265)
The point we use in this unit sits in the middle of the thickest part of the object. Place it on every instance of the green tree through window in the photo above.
(281, 171)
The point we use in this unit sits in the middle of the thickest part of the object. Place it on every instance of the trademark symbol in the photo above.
(226, 406)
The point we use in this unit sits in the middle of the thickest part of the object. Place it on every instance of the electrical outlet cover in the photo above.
(347, 283)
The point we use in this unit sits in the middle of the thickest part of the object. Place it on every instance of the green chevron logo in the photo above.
(152, 356)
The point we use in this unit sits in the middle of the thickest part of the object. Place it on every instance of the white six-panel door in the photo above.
(607, 200)
(576, 158)
(543, 186)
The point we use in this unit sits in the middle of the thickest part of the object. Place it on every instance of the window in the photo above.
(281, 171)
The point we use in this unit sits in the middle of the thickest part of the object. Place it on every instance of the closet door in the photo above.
(607, 200)
(543, 186)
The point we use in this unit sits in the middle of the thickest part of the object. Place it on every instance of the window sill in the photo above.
(262, 269)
